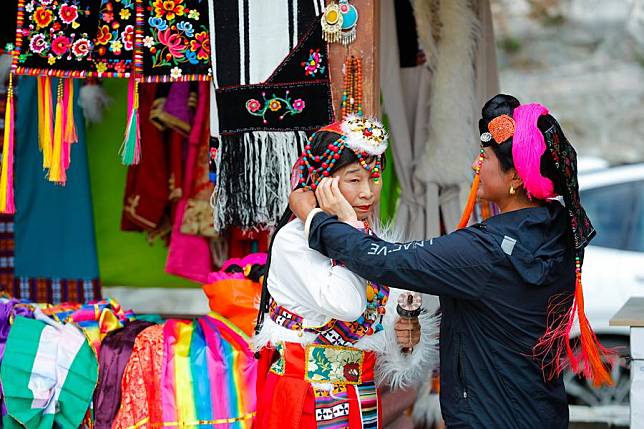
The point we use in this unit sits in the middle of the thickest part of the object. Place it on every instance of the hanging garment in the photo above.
(189, 255)
(147, 193)
(141, 384)
(457, 35)
(271, 75)
(55, 252)
(49, 373)
(116, 350)
(108, 183)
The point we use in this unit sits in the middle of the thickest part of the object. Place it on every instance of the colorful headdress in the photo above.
(365, 137)
(534, 133)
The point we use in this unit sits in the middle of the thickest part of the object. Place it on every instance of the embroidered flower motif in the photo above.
(108, 17)
(175, 73)
(186, 28)
(127, 36)
(104, 35)
(51, 60)
(46, 2)
(68, 13)
(175, 43)
(274, 105)
(158, 23)
(81, 48)
(299, 104)
(313, 65)
(120, 67)
(351, 372)
(201, 45)
(43, 17)
(194, 14)
(38, 44)
(116, 46)
(253, 105)
(101, 67)
(192, 57)
(125, 14)
(60, 45)
(148, 41)
(29, 7)
(168, 8)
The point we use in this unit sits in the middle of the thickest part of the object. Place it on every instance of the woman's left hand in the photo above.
(408, 332)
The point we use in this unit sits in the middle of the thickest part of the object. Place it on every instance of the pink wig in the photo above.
(528, 146)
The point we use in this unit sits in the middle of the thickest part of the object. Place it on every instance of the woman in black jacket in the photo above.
(510, 287)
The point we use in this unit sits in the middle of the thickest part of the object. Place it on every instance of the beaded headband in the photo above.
(500, 129)
(366, 137)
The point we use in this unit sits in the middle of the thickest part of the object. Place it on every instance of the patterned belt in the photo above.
(344, 368)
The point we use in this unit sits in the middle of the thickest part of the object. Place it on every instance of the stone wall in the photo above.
(584, 59)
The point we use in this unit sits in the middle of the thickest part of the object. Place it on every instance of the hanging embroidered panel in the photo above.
(172, 41)
(55, 37)
(114, 40)
(296, 97)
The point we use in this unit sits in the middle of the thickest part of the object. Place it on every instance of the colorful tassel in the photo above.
(45, 119)
(6, 175)
(586, 356)
(131, 147)
(57, 171)
(70, 136)
(471, 199)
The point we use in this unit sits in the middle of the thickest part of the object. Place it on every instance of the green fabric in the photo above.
(22, 362)
(390, 186)
(125, 258)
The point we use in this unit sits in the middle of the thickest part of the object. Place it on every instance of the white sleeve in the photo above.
(306, 282)
(400, 370)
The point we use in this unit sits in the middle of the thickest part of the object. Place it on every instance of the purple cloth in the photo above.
(116, 350)
(7, 309)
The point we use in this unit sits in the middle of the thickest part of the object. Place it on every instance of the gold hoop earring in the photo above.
(512, 190)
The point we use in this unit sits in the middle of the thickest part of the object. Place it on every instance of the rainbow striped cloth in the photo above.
(208, 375)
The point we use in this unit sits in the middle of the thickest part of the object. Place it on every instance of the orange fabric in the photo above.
(141, 384)
(237, 300)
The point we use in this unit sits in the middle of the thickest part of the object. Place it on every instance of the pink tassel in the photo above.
(7, 204)
(528, 146)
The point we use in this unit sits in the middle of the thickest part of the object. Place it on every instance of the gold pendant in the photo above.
(332, 23)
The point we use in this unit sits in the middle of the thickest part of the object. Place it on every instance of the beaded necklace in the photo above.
(352, 92)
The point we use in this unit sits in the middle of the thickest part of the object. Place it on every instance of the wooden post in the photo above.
(366, 47)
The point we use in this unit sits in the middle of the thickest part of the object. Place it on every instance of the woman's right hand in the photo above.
(333, 202)
(301, 202)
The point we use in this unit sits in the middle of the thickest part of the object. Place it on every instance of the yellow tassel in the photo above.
(70, 127)
(45, 132)
(57, 172)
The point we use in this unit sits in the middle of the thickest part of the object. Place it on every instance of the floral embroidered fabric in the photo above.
(141, 400)
(175, 40)
(114, 41)
(158, 40)
(56, 35)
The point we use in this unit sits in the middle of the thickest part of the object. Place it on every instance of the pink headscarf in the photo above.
(528, 146)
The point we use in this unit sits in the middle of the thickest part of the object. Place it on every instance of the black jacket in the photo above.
(494, 281)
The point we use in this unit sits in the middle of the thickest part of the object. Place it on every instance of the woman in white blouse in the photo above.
(327, 337)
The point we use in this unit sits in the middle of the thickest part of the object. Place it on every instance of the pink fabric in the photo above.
(528, 146)
(189, 255)
(252, 259)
